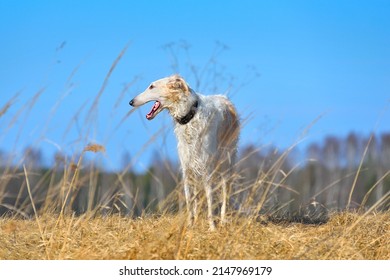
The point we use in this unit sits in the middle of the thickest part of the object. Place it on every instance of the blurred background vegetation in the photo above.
(325, 171)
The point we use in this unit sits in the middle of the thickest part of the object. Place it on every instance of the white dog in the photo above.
(207, 129)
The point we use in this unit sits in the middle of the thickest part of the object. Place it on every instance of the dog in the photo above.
(207, 130)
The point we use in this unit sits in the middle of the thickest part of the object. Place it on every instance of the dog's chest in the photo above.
(190, 138)
(186, 135)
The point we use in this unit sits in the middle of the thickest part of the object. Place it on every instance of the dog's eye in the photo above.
(151, 86)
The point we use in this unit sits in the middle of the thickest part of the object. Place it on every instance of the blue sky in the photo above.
(313, 58)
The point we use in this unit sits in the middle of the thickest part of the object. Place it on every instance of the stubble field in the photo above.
(345, 236)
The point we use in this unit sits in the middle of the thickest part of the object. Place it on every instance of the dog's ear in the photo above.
(176, 82)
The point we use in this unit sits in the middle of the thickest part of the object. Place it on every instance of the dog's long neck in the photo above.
(185, 111)
(187, 118)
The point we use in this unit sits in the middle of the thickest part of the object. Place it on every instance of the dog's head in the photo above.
(167, 93)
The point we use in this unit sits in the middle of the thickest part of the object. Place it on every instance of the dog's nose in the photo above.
(131, 102)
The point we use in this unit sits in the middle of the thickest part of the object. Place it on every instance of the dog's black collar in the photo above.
(187, 118)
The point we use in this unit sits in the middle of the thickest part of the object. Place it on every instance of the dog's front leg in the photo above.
(191, 202)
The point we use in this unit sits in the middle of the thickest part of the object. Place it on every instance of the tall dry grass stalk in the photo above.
(35, 212)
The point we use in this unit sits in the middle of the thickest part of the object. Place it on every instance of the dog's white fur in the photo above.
(207, 129)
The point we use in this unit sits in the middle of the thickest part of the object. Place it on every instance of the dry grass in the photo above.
(345, 236)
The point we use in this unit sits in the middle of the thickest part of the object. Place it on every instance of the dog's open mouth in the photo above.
(153, 111)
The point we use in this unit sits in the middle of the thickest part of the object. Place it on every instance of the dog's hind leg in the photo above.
(224, 198)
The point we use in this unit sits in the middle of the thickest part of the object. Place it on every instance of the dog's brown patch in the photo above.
(229, 130)
(176, 89)
(177, 83)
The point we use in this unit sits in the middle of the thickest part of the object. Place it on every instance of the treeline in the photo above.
(340, 173)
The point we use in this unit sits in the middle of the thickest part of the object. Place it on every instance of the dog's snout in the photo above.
(131, 102)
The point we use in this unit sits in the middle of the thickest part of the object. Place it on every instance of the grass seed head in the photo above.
(95, 148)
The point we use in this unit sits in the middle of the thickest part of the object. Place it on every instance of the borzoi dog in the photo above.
(207, 129)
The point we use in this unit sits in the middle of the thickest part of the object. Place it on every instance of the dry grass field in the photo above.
(345, 236)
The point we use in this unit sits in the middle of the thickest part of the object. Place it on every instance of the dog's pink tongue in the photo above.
(150, 115)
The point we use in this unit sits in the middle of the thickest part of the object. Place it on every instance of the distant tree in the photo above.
(384, 161)
(385, 151)
(249, 163)
(373, 150)
(331, 152)
(331, 156)
(314, 152)
(352, 150)
(314, 180)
